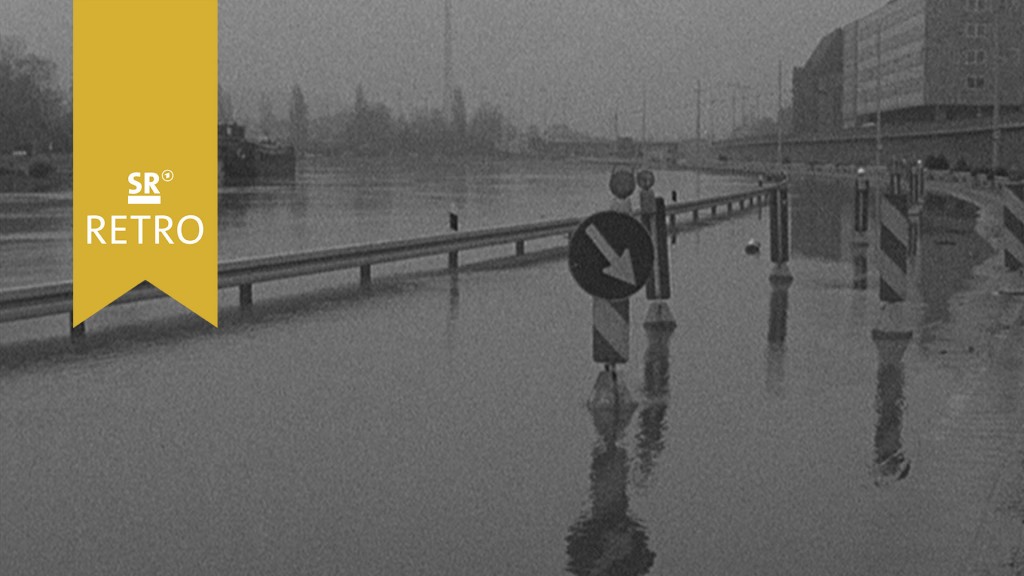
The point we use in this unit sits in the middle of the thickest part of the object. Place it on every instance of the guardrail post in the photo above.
(77, 332)
(520, 247)
(245, 296)
(364, 276)
(453, 224)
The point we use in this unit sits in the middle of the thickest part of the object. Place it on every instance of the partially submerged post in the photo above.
(861, 202)
(778, 210)
(453, 225)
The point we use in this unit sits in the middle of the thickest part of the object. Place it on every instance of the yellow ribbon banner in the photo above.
(145, 159)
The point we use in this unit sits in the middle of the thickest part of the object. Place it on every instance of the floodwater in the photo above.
(335, 204)
(439, 425)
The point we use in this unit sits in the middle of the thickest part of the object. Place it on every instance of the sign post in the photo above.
(611, 257)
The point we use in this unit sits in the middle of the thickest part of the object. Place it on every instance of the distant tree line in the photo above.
(35, 116)
(369, 129)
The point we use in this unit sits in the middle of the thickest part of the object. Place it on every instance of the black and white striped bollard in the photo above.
(1013, 235)
(893, 252)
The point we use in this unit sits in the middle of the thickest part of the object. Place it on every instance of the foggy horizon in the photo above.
(577, 63)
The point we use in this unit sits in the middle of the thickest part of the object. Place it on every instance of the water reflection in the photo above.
(775, 354)
(608, 540)
(948, 249)
(817, 210)
(650, 438)
(860, 265)
(890, 462)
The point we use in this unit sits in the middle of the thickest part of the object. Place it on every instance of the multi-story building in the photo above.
(921, 61)
(818, 88)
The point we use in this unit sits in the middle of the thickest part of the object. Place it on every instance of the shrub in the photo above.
(961, 166)
(40, 169)
(936, 162)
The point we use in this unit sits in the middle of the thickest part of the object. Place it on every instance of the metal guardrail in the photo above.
(53, 299)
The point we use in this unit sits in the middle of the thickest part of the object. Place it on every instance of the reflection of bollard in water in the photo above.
(650, 436)
(890, 462)
(778, 310)
(611, 405)
(860, 266)
(608, 540)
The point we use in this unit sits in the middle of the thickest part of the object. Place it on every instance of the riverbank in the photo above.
(38, 173)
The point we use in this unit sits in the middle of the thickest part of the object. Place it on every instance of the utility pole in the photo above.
(448, 90)
(698, 115)
(643, 119)
(778, 121)
(732, 113)
(878, 93)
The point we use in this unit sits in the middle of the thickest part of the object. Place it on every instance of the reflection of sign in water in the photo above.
(610, 255)
(607, 539)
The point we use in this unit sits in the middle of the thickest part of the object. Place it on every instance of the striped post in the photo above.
(1013, 222)
(778, 216)
(891, 336)
(611, 331)
(893, 251)
(893, 241)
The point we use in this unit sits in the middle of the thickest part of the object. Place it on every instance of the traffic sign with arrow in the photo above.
(610, 255)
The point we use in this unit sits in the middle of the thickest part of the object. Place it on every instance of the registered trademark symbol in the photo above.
(167, 175)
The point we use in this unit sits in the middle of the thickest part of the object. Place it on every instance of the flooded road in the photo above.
(336, 202)
(439, 425)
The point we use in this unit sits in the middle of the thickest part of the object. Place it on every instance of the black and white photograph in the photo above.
(533, 287)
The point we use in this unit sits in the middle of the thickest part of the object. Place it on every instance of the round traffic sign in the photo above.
(611, 255)
(645, 179)
(622, 183)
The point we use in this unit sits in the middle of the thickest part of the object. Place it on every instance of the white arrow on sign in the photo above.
(619, 267)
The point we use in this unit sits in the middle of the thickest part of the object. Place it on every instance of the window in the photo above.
(973, 56)
(975, 5)
(976, 30)
(975, 82)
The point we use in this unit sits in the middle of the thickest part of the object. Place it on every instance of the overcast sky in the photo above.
(572, 61)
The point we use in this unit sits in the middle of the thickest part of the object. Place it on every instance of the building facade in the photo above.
(932, 60)
(818, 88)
